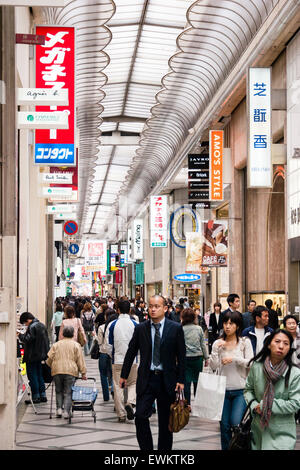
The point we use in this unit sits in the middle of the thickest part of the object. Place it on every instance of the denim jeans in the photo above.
(89, 342)
(63, 390)
(36, 381)
(105, 370)
(233, 410)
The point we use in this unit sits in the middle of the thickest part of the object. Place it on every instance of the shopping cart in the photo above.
(84, 396)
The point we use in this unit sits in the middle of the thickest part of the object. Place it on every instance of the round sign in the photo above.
(70, 227)
(73, 249)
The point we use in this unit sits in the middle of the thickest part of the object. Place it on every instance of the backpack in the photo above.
(88, 325)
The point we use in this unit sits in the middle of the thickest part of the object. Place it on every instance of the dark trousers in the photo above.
(36, 380)
(155, 390)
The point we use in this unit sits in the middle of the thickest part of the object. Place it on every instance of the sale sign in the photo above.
(96, 255)
(55, 68)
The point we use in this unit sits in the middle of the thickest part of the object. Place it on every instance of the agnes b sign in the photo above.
(137, 236)
(55, 69)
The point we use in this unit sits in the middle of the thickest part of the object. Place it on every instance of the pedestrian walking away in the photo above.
(120, 334)
(161, 372)
(66, 361)
(274, 385)
(195, 351)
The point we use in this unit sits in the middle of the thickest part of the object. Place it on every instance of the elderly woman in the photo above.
(66, 361)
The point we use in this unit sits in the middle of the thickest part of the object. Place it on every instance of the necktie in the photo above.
(156, 350)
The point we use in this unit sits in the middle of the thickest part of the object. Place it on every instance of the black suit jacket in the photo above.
(172, 353)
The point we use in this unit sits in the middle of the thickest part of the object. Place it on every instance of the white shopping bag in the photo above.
(210, 394)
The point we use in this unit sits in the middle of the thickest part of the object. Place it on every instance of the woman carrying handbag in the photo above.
(71, 320)
(273, 389)
(232, 354)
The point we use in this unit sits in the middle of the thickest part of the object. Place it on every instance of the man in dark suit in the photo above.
(160, 374)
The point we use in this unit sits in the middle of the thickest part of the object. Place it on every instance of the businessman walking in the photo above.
(160, 374)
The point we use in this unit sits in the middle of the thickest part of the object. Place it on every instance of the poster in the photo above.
(208, 247)
(96, 255)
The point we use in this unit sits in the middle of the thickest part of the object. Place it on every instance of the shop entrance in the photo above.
(278, 298)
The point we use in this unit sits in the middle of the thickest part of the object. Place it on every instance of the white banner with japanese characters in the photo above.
(259, 167)
(96, 256)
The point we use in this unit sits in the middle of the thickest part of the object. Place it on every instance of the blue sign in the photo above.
(73, 249)
(55, 154)
(187, 277)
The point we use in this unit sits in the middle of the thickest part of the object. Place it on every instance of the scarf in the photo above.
(272, 375)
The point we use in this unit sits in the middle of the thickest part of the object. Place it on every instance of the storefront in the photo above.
(278, 298)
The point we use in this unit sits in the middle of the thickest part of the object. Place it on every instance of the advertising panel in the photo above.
(55, 69)
(207, 248)
(96, 255)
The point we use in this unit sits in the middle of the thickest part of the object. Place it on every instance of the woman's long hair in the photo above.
(265, 351)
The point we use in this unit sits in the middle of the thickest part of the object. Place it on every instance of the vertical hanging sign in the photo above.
(55, 68)
(137, 235)
(216, 165)
(158, 221)
(259, 128)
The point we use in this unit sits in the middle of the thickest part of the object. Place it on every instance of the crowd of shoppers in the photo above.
(148, 352)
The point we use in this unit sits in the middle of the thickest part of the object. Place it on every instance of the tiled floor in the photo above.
(38, 432)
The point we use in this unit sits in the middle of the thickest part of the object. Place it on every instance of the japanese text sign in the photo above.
(158, 221)
(259, 128)
(55, 68)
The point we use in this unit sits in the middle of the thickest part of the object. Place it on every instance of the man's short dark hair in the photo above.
(180, 306)
(26, 316)
(231, 298)
(162, 297)
(124, 306)
(269, 303)
(259, 309)
(251, 300)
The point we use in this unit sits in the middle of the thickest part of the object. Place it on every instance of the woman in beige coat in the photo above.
(66, 360)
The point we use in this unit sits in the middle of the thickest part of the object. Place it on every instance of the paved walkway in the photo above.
(38, 432)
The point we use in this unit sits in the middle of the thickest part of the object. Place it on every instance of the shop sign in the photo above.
(137, 235)
(55, 69)
(32, 39)
(64, 216)
(119, 276)
(259, 166)
(139, 274)
(123, 255)
(187, 277)
(293, 147)
(43, 120)
(129, 245)
(34, 3)
(42, 97)
(60, 178)
(74, 183)
(95, 255)
(61, 208)
(159, 221)
(114, 257)
(216, 165)
(47, 191)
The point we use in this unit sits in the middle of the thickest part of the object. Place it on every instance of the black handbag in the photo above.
(95, 353)
(242, 435)
(46, 371)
